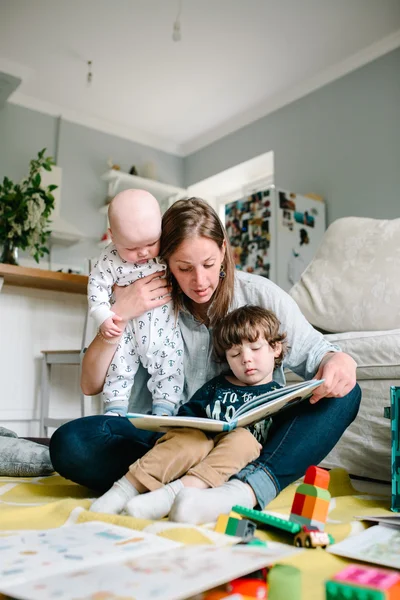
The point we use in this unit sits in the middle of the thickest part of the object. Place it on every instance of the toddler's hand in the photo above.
(109, 327)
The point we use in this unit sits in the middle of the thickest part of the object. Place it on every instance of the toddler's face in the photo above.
(137, 252)
(253, 363)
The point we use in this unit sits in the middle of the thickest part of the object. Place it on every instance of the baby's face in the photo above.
(137, 251)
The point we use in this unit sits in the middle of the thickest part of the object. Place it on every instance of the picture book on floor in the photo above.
(98, 560)
(379, 544)
(257, 409)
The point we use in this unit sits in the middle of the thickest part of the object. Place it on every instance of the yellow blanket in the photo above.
(48, 502)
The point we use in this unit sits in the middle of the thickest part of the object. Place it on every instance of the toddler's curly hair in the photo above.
(248, 323)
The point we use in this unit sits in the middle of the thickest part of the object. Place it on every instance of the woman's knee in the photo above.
(353, 400)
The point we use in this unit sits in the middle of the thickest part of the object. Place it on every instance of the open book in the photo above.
(102, 560)
(257, 409)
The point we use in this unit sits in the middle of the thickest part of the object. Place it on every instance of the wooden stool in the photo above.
(55, 357)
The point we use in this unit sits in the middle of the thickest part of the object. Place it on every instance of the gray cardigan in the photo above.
(306, 346)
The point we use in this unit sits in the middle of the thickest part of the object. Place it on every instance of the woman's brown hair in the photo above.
(196, 218)
(248, 323)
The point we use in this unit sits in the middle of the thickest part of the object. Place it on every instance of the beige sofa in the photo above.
(351, 291)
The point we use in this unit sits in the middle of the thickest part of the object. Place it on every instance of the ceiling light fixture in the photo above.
(176, 31)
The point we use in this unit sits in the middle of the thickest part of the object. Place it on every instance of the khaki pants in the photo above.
(187, 451)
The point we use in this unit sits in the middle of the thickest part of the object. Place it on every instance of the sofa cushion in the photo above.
(353, 282)
(23, 458)
(377, 353)
(365, 447)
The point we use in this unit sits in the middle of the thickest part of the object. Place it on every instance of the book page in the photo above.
(27, 556)
(273, 406)
(379, 545)
(304, 389)
(173, 575)
(155, 423)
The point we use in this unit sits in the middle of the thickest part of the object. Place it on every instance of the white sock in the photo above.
(113, 501)
(204, 506)
(155, 505)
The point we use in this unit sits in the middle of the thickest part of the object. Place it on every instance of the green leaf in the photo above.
(52, 187)
(47, 167)
(37, 180)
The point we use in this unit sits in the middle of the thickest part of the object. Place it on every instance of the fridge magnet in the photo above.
(304, 218)
(287, 201)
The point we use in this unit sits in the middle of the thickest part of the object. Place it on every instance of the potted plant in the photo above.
(25, 209)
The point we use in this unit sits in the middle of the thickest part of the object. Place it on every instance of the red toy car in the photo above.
(311, 537)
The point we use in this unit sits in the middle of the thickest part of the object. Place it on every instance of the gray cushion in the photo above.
(22, 458)
(8, 432)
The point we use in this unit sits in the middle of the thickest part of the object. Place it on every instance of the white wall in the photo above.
(30, 321)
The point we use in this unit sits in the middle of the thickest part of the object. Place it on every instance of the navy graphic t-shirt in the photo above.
(219, 399)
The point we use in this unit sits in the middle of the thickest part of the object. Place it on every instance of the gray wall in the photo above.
(341, 141)
(83, 154)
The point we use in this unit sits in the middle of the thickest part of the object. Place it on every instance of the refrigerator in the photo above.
(275, 233)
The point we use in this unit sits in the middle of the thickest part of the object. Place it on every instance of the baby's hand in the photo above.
(109, 327)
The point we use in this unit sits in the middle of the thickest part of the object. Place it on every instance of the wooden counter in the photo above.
(44, 280)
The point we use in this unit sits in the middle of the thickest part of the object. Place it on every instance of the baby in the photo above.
(153, 339)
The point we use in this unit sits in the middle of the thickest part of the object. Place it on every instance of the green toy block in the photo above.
(257, 542)
(268, 520)
(336, 590)
(284, 583)
(312, 490)
(231, 526)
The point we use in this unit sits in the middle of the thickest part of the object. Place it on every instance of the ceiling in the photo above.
(237, 60)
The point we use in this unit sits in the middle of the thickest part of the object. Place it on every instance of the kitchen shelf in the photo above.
(43, 279)
(115, 178)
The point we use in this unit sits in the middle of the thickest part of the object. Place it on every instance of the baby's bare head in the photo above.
(135, 225)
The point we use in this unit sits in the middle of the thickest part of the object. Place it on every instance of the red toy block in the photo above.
(298, 504)
(317, 476)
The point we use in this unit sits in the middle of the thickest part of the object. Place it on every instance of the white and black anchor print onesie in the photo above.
(153, 339)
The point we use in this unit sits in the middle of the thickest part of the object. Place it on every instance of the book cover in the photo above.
(255, 410)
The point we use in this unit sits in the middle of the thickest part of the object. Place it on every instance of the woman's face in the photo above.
(196, 265)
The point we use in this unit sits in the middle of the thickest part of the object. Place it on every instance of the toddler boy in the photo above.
(249, 339)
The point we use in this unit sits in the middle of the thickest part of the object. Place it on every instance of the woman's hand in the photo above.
(142, 295)
(339, 371)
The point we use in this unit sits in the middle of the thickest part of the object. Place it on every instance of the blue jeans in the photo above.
(96, 451)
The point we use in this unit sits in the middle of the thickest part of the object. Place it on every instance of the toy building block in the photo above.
(318, 477)
(251, 588)
(267, 520)
(284, 583)
(311, 500)
(395, 423)
(235, 526)
(358, 582)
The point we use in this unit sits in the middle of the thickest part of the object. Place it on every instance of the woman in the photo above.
(202, 281)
